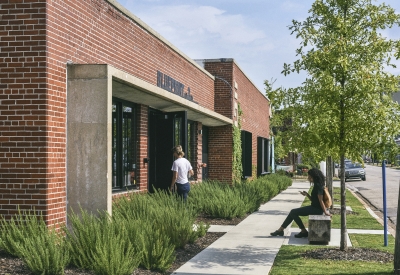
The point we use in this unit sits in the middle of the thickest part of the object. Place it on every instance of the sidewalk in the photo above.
(248, 248)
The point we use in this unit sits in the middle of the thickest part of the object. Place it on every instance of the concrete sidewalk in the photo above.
(248, 248)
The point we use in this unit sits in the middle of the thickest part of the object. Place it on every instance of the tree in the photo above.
(345, 104)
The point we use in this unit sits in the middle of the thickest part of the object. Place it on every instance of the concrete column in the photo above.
(89, 123)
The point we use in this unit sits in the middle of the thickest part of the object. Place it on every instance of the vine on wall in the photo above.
(237, 169)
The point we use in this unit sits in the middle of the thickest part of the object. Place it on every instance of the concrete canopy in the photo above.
(131, 88)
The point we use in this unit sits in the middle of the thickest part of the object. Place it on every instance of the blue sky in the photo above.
(253, 32)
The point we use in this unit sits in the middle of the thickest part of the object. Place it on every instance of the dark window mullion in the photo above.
(119, 145)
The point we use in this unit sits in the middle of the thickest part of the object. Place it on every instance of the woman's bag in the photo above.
(327, 198)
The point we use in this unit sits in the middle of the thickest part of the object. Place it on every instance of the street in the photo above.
(371, 189)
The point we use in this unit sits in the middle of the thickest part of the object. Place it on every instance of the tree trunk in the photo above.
(397, 243)
(343, 227)
(329, 177)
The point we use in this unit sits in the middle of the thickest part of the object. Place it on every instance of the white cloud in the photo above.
(201, 21)
(292, 6)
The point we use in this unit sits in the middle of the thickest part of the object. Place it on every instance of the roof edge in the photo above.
(157, 35)
(213, 60)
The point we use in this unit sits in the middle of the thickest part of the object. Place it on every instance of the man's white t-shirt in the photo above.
(182, 166)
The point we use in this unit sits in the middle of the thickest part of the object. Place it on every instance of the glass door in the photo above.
(166, 130)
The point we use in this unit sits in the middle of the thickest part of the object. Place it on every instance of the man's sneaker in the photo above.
(301, 235)
(277, 233)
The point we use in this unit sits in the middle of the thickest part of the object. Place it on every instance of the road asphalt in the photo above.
(248, 248)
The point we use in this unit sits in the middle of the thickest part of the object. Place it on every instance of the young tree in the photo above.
(345, 104)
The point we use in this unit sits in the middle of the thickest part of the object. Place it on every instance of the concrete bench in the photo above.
(319, 229)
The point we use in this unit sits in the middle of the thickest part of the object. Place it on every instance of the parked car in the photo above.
(337, 165)
(353, 171)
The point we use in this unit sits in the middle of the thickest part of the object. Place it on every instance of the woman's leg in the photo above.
(183, 190)
(302, 211)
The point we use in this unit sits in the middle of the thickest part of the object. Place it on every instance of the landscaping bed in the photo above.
(15, 266)
(146, 234)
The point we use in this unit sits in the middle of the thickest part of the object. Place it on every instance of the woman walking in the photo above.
(180, 170)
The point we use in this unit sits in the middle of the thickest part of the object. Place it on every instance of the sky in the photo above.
(253, 32)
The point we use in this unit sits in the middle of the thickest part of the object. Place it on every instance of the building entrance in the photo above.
(166, 130)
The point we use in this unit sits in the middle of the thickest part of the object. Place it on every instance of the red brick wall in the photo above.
(37, 39)
(255, 108)
(254, 105)
(222, 95)
(198, 152)
(142, 138)
(93, 31)
(220, 153)
(32, 148)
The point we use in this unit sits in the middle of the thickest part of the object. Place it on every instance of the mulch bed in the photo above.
(216, 221)
(351, 254)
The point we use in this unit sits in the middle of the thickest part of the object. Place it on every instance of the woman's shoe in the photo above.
(277, 233)
(301, 235)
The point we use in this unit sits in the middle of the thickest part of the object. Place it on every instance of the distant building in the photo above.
(93, 100)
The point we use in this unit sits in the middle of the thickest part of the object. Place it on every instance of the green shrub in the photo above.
(15, 232)
(45, 254)
(201, 228)
(28, 237)
(156, 224)
(158, 251)
(168, 213)
(218, 200)
(303, 166)
(280, 172)
(114, 253)
(99, 244)
(280, 181)
(175, 218)
(225, 201)
(81, 238)
(249, 193)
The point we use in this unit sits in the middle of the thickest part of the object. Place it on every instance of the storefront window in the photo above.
(123, 145)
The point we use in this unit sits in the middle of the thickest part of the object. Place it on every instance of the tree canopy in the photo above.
(345, 105)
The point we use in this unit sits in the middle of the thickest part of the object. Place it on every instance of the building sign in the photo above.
(173, 86)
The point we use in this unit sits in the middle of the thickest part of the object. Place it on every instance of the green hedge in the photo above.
(226, 201)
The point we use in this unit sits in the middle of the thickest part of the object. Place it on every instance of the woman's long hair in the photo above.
(317, 176)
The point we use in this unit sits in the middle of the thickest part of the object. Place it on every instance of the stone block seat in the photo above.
(319, 229)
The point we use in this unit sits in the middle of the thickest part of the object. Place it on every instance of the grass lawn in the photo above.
(372, 241)
(290, 260)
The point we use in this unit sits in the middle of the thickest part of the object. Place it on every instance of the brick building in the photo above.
(92, 100)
